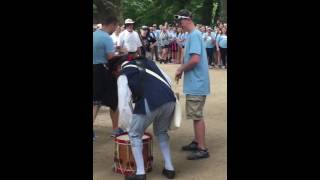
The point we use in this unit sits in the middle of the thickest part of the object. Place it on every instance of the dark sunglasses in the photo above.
(178, 17)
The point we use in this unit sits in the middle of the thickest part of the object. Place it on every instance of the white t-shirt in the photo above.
(129, 41)
(115, 39)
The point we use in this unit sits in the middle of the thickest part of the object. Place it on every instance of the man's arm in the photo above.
(139, 44)
(109, 48)
(195, 42)
(217, 43)
(153, 44)
(194, 60)
(120, 44)
(110, 56)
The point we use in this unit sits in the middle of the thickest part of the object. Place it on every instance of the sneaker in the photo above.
(193, 146)
(168, 173)
(199, 154)
(136, 177)
(117, 132)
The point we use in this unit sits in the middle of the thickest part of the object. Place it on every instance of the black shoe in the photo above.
(193, 146)
(199, 154)
(136, 177)
(168, 173)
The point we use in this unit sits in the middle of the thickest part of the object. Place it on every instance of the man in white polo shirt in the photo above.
(129, 40)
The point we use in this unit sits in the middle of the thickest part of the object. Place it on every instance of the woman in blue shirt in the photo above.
(210, 43)
(222, 46)
(180, 41)
(164, 43)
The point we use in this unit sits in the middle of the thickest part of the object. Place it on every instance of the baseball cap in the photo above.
(128, 21)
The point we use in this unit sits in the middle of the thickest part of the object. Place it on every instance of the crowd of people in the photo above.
(165, 43)
(126, 78)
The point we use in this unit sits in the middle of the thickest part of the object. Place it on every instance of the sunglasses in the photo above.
(178, 17)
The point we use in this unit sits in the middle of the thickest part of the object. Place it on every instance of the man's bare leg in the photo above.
(199, 131)
(95, 111)
(114, 117)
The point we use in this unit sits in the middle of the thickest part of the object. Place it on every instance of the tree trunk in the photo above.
(217, 14)
(107, 8)
(223, 11)
(206, 12)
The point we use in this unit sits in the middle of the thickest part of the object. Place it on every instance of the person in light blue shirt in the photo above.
(154, 47)
(181, 42)
(104, 83)
(158, 32)
(221, 44)
(196, 84)
(209, 39)
(196, 81)
(102, 47)
(222, 39)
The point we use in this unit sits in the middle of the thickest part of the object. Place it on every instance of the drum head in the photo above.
(124, 138)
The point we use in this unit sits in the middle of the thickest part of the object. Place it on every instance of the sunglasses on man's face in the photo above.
(178, 17)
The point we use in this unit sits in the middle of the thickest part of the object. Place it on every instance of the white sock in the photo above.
(165, 149)
(138, 157)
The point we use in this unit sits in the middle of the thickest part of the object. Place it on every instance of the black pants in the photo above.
(210, 55)
(223, 56)
(156, 52)
(105, 90)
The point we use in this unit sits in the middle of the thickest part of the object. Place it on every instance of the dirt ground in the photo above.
(215, 113)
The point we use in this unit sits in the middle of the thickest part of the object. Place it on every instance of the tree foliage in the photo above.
(148, 12)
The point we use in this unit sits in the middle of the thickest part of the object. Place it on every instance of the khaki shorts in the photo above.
(194, 107)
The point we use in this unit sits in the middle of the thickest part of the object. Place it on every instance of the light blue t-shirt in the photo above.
(157, 32)
(222, 41)
(173, 35)
(196, 81)
(182, 37)
(208, 40)
(102, 44)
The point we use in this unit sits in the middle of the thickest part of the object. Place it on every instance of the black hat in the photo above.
(117, 61)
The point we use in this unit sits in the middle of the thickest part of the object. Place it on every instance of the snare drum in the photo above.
(124, 162)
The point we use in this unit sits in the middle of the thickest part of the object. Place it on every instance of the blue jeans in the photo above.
(210, 55)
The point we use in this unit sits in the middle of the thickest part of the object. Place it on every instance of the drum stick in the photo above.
(176, 92)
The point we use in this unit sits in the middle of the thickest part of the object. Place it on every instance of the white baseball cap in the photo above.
(128, 21)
